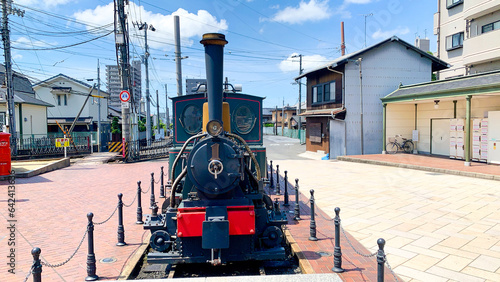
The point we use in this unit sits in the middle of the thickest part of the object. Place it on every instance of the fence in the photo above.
(149, 149)
(46, 147)
(291, 133)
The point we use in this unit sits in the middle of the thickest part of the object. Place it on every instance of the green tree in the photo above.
(115, 127)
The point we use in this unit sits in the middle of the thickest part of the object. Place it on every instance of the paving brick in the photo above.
(487, 263)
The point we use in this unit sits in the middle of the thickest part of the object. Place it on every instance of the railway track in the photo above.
(246, 268)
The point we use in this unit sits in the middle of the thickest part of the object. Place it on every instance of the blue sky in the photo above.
(263, 36)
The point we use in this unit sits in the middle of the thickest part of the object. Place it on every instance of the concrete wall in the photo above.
(34, 120)
(383, 68)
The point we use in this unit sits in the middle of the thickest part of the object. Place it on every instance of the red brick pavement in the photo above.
(51, 211)
(357, 267)
(51, 214)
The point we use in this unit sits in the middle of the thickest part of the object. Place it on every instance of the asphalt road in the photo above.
(283, 148)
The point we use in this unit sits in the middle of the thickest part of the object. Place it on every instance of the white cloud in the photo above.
(379, 34)
(308, 63)
(191, 25)
(358, 1)
(43, 3)
(312, 11)
(23, 42)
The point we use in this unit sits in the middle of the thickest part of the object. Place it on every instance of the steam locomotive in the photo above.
(218, 211)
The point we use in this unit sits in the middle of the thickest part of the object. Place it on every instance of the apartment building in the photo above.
(114, 88)
(468, 36)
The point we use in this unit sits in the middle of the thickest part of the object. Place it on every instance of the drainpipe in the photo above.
(454, 108)
(343, 84)
(415, 151)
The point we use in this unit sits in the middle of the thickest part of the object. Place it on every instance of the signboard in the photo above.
(62, 142)
(124, 96)
(414, 136)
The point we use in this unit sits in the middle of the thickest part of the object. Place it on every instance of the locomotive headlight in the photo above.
(214, 127)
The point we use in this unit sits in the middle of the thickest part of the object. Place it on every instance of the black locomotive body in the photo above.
(217, 211)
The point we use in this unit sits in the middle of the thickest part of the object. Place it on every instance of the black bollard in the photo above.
(312, 225)
(152, 199)
(337, 253)
(285, 204)
(121, 230)
(139, 207)
(272, 180)
(278, 180)
(91, 267)
(162, 187)
(37, 266)
(380, 260)
(296, 215)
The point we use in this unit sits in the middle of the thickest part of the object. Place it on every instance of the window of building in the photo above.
(490, 27)
(452, 3)
(286, 115)
(2, 119)
(62, 100)
(281, 114)
(324, 93)
(455, 41)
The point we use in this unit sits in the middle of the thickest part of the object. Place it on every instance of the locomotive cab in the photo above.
(217, 211)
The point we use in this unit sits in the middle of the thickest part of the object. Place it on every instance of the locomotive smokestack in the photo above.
(214, 47)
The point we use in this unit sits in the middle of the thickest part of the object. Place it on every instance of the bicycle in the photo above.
(406, 146)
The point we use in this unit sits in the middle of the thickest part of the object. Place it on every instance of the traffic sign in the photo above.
(62, 142)
(124, 96)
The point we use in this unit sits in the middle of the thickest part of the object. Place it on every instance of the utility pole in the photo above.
(145, 26)
(11, 111)
(283, 118)
(157, 112)
(121, 38)
(178, 55)
(167, 115)
(99, 107)
(299, 111)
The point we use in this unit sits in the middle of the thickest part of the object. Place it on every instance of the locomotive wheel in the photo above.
(160, 240)
(268, 202)
(272, 236)
(165, 205)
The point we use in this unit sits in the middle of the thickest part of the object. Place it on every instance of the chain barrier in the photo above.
(156, 182)
(99, 223)
(145, 192)
(133, 201)
(72, 255)
(28, 276)
(350, 244)
(390, 268)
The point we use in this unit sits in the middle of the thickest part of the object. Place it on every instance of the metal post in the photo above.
(337, 253)
(361, 107)
(152, 199)
(121, 230)
(296, 215)
(121, 39)
(37, 266)
(139, 208)
(272, 179)
(91, 267)
(380, 260)
(278, 180)
(98, 107)
(162, 187)
(285, 204)
(312, 225)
